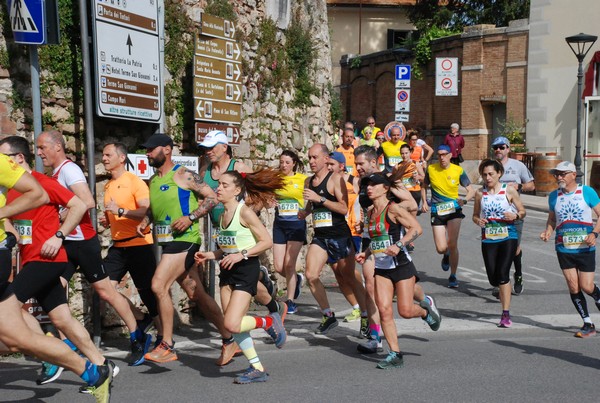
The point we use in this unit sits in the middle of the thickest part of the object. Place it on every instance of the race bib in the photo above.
(445, 208)
(227, 241)
(288, 207)
(24, 229)
(379, 245)
(350, 170)
(575, 239)
(322, 218)
(495, 231)
(164, 232)
(408, 183)
(393, 161)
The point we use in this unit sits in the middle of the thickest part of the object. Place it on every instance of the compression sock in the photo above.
(245, 343)
(580, 305)
(70, 344)
(91, 374)
(375, 331)
(255, 322)
(595, 293)
(272, 306)
(517, 263)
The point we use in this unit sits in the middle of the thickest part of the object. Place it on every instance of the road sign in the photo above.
(400, 117)
(27, 20)
(219, 69)
(232, 132)
(218, 48)
(216, 27)
(402, 75)
(446, 76)
(207, 88)
(128, 84)
(141, 168)
(402, 100)
(217, 111)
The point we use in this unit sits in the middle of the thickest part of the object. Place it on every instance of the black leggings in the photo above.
(498, 257)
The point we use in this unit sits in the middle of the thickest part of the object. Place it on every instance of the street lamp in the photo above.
(580, 45)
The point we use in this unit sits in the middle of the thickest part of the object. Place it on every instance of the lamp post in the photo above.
(580, 45)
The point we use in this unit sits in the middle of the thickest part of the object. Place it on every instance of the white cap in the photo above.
(213, 138)
(565, 166)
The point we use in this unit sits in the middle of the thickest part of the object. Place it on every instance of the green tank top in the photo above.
(170, 202)
(216, 211)
(235, 238)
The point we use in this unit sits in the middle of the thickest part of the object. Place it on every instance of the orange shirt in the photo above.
(408, 179)
(349, 154)
(354, 215)
(417, 154)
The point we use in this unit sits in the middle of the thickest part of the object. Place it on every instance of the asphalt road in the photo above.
(468, 360)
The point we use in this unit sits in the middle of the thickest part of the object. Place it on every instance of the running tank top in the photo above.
(289, 199)
(170, 202)
(574, 221)
(327, 223)
(235, 237)
(493, 207)
(383, 233)
(216, 211)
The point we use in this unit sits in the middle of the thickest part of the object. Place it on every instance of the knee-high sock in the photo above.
(244, 341)
(595, 293)
(580, 305)
(255, 322)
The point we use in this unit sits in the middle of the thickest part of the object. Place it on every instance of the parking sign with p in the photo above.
(403, 76)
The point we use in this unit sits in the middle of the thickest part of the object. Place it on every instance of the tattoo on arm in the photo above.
(415, 236)
(196, 180)
(207, 205)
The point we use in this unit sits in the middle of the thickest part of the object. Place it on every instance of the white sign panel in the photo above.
(402, 75)
(139, 164)
(446, 76)
(399, 117)
(402, 100)
(127, 58)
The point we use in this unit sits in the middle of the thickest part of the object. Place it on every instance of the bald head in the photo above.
(51, 148)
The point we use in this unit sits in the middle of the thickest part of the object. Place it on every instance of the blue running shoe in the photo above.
(252, 375)
(292, 308)
(139, 348)
(299, 284)
(452, 281)
(50, 373)
(446, 262)
(277, 331)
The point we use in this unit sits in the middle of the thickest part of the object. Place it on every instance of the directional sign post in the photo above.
(232, 132)
(128, 70)
(27, 20)
(218, 111)
(206, 88)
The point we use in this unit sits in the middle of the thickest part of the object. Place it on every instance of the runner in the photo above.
(390, 228)
(289, 232)
(126, 201)
(347, 149)
(82, 245)
(391, 149)
(446, 207)
(497, 208)
(570, 212)
(421, 152)
(242, 238)
(15, 335)
(371, 125)
(517, 176)
(413, 175)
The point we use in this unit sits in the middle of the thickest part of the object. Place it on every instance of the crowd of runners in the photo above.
(361, 199)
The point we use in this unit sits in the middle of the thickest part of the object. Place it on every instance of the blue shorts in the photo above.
(336, 248)
(357, 240)
(284, 231)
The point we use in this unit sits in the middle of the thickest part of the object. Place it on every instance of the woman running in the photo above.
(242, 238)
(391, 227)
(413, 174)
(289, 232)
(497, 206)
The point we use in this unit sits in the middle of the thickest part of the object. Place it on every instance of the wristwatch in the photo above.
(399, 244)
(120, 212)
(60, 235)
(245, 254)
(595, 234)
(322, 200)
(192, 217)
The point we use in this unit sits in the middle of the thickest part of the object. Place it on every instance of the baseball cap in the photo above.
(158, 140)
(498, 141)
(444, 147)
(565, 166)
(379, 178)
(338, 156)
(213, 138)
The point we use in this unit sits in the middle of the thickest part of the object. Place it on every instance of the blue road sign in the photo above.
(27, 21)
(403, 72)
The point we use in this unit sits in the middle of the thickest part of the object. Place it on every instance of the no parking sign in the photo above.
(446, 76)
(402, 100)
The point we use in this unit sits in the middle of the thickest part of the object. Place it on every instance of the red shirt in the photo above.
(38, 225)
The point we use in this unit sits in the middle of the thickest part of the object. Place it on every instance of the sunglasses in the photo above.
(562, 174)
(443, 154)
(502, 147)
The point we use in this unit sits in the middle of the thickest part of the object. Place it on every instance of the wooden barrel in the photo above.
(544, 180)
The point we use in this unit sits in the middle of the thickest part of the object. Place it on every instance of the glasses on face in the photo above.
(502, 147)
(443, 154)
(413, 139)
(562, 174)
(371, 123)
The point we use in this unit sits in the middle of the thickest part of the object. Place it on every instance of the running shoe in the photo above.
(505, 321)
(586, 331)
(139, 349)
(299, 284)
(327, 323)
(452, 281)
(446, 262)
(277, 331)
(50, 373)
(352, 316)
(162, 353)
(101, 389)
(114, 370)
(227, 353)
(518, 287)
(146, 324)
(282, 309)
(433, 318)
(393, 360)
(496, 292)
(292, 308)
(252, 375)
(267, 282)
(371, 346)
(364, 332)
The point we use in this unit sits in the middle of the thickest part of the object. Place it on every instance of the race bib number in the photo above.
(322, 218)
(288, 208)
(495, 231)
(164, 232)
(379, 245)
(227, 241)
(24, 229)
(408, 183)
(575, 239)
(393, 161)
(349, 169)
(445, 208)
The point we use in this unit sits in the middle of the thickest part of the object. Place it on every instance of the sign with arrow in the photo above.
(127, 57)
(218, 111)
(219, 69)
(207, 88)
(232, 132)
(216, 27)
(27, 21)
(217, 48)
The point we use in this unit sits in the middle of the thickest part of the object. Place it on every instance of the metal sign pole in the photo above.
(36, 102)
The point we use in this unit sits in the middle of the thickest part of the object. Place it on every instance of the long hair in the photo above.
(260, 186)
(298, 165)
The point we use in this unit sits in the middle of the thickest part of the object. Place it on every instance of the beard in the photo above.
(562, 184)
(157, 161)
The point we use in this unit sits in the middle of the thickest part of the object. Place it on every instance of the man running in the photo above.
(347, 149)
(391, 149)
(570, 212)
